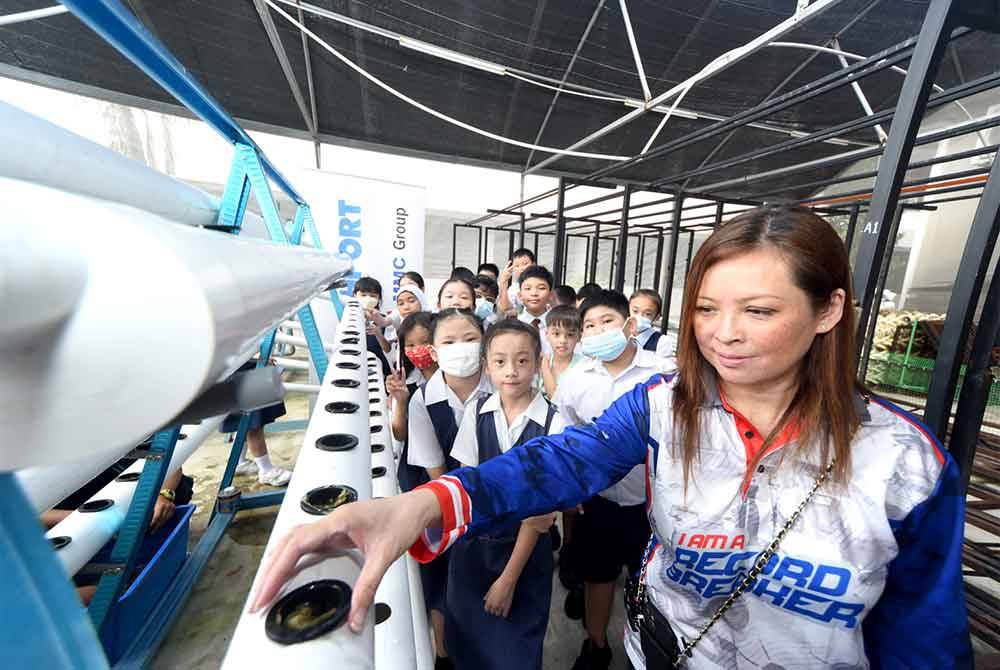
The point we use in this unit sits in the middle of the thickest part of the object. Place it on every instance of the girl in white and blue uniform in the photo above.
(500, 583)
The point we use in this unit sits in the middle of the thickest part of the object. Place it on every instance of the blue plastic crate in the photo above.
(163, 553)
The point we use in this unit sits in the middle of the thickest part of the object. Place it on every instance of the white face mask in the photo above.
(461, 359)
(368, 301)
(642, 324)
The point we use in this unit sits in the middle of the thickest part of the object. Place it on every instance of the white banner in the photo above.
(378, 224)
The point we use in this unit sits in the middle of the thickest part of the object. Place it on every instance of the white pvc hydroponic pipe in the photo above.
(339, 421)
(165, 312)
(89, 531)
(42, 152)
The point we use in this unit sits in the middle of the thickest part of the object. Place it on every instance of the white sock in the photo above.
(264, 464)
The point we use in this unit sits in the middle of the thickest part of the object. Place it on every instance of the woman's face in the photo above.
(456, 294)
(407, 303)
(753, 324)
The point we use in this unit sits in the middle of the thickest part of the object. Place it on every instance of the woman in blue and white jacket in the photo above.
(763, 402)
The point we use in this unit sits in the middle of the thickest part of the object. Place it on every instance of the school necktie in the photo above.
(537, 323)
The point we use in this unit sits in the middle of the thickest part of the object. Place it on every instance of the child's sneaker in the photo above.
(275, 477)
(246, 467)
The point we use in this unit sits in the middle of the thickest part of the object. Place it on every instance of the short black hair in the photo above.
(588, 291)
(368, 285)
(606, 298)
(652, 295)
(510, 325)
(563, 316)
(489, 267)
(536, 272)
(416, 320)
(455, 313)
(416, 277)
(565, 295)
(523, 251)
(462, 272)
(458, 280)
(487, 284)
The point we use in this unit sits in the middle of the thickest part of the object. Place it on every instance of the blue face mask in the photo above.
(607, 346)
(483, 308)
(642, 324)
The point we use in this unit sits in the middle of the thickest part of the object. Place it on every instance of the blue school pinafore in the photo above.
(434, 575)
(474, 638)
(652, 341)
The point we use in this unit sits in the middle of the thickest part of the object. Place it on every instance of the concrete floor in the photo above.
(201, 633)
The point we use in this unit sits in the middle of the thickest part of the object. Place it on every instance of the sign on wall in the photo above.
(378, 224)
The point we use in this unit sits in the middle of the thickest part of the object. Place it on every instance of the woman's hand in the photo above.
(382, 529)
(500, 596)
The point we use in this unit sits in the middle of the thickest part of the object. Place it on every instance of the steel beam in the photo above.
(852, 226)
(659, 262)
(286, 67)
(646, 95)
(560, 239)
(979, 246)
(675, 233)
(619, 282)
(883, 274)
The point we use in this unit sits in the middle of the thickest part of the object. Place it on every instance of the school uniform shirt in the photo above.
(869, 576)
(666, 344)
(587, 389)
(526, 317)
(466, 449)
(424, 449)
(414, 380)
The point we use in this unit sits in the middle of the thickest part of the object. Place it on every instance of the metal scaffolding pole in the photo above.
(619, 282)
(852, 226)
(659, 262)
(972, 269)
(592, 275)
(883, 274)
(560, 240)
(874, 237)
(675, 233)
(687, 264)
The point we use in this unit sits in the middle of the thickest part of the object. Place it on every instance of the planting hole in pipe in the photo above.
(378, 448)
(350, 340)
(374, 412)
(372, 400)
(382, 613)
(377, 428)
(350, 352)
(341, 407)
(348, 365)
(378, 471)
(128, 477)
(324, 499)
(353, 333)
(182, 436)
(309, 611)
(337, 442)
(95, 506)
(60, 541)
(346, 383)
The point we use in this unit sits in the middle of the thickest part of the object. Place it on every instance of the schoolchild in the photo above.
(500, 584)
(644, 307)
(563, 334)
(368, 291)
(417, 366)
(457, 293)
(510, 280)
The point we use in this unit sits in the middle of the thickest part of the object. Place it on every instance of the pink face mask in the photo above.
(420, 356)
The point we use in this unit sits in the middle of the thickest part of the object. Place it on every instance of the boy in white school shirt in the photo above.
(535, 293)
(613, 530)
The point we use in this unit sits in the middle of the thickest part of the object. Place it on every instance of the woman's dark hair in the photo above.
(416, 277)
(455, 313)
(651, 295)
(587, 291)
(824, 404)
(563, 316)
(605, 298)
(416, 320)
(368, 285)
(462, 272)
(510, 326)
(458, 280)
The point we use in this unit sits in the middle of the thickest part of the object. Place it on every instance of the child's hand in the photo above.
(505, 274)
(541, 523)
(395, 386)
(499, 598)
(375, 316)
(546, 366)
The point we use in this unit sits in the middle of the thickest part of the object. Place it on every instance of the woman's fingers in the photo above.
(280, 564)
(375, 566)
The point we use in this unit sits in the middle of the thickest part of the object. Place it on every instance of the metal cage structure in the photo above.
(953, 410)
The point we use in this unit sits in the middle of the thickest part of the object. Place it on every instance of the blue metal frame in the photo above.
(47, 627)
